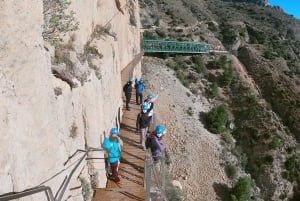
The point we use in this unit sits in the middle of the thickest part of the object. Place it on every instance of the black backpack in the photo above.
(125, 87)
(143, 120)
(148, 142)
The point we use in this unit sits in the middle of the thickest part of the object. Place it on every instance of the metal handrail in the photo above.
(70, 176)
(67, 181)
(59, 194)
(29, 192)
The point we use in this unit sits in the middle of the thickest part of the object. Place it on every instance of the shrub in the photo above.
(268, 159)
(228, 34)
(268, 55)
(86, 188)
(57, 20)
(227, 76)
(160, 33)
(276, 142)
(241, 190)
(216, 119)
(290, 166)
(181, 76)
(179, 60)
(222, 61)
(252, 107)
(148, 35)
(214, 90)
(199, 64)
(230, 171)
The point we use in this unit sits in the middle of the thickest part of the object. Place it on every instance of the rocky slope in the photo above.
(264, 39)
(195, 153)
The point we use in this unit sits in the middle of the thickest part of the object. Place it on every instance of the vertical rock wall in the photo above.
(41, 128)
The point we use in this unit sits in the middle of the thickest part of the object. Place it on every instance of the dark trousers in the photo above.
(149, 121)
(139, 96)
(156, 159)
(128, 97)
(114, 171)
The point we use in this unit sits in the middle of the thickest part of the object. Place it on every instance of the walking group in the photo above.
(148, 140)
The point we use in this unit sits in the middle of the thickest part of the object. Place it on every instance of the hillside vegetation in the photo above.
(258, 122)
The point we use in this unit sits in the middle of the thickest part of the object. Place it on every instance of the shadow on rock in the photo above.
(202, 117)
(222, 191)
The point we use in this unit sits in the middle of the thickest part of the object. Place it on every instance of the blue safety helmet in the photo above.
(142, 79)
(131, 79)
(145, 106)
(150, 96)
(159, 129)
(114, 131)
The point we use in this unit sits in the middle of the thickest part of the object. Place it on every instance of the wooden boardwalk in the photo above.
(131, 168)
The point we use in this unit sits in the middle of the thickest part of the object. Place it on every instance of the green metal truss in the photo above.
(175, 47)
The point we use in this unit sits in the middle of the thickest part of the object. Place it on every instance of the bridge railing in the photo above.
(152, 46)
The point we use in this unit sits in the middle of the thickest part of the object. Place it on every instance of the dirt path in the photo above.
(194, 152)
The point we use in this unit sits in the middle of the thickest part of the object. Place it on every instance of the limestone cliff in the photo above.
(60, 97)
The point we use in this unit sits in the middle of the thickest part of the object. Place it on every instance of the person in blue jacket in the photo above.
(112, 145)
(139, 88)
(154, 142)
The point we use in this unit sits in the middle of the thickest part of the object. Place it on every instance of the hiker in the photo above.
(140, 86)
(128, 91)
(142, 123)
(112, 144)
(154, 142)
(150, 101)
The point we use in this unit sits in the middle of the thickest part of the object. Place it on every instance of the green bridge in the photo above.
(152, 46)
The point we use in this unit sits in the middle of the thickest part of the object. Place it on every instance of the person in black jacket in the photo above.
(128, 91)
(142, 123)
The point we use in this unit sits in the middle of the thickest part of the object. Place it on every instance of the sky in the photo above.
(291, 7)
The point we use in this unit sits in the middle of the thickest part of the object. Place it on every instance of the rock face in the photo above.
(43, 120)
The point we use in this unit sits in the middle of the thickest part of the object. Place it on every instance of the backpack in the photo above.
(125, 87)
(143, 120)
(148, 142)
(140, 87)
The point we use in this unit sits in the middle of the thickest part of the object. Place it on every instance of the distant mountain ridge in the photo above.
(259, 2)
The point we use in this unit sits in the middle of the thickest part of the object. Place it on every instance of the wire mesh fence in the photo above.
(154, 177)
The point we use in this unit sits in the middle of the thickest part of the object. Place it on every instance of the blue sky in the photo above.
(291, 7)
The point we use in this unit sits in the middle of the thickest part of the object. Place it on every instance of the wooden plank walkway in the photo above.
(131, 168)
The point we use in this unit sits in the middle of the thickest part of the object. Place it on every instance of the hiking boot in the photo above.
(143, 146)
(120, 182)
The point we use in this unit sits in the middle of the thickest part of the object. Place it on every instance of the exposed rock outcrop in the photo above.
(44, 118)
